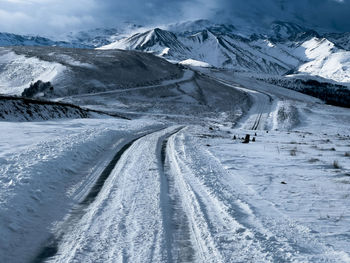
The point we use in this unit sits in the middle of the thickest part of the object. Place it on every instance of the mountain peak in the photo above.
(282, 31)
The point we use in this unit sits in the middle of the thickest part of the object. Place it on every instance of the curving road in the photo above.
(261, 107)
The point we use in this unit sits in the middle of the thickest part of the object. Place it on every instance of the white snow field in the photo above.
(18, 71)
(175, 183)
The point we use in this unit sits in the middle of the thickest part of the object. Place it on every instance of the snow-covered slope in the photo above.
(342, 40)
(157, 41)
(18, 71)
(77, 71)
(325, 60)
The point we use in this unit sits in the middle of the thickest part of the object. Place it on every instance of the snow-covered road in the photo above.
(261, 108)
(169, 199)
(128, 220)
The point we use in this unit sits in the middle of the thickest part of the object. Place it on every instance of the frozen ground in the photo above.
(172, 184)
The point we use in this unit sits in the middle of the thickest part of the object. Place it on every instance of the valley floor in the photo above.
(179, 189)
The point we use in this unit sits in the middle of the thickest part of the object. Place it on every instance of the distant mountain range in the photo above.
(7, 39)
(283, 48)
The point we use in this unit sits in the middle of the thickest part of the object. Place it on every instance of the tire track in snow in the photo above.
(203, 244)
(177, 232)
(238, 224)
(126, 222)
(262, 105)
(51, 249)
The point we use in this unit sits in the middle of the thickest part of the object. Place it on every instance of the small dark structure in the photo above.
(247, 139)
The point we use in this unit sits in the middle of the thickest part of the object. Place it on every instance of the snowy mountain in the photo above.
(92, 38)
(285, 31)
(283, 48)
(98, 37)
(161, 42)
(280, 49)
(211, 45)
(7, 39)
(342, 40)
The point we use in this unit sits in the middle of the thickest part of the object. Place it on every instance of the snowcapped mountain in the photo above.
(101, 36)
(161, 42)
(83, 39)
(215, 45)
(323, 59)
(7, 39)
(342, 40)
(280, 31)
(93, 38)
(283, 48)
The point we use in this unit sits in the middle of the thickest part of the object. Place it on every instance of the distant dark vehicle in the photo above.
(38, 89)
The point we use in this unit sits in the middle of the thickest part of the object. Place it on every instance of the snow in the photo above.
(323, 59)
(293, 172)
(71, 61)
(221, 47)
(47, 171)
(77, 71)
(172, 184)
(195, 63)
(182, 193)
(18, 71)
(334, 67)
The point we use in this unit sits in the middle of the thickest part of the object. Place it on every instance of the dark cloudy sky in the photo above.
(59, 16)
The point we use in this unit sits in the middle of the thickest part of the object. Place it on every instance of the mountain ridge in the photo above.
(281, 49)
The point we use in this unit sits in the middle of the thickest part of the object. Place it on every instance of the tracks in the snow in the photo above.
(262, 110)
(257, 122)
(163, 199)
(176, 225)
(259, 96)
(176, 237)
(51, 248)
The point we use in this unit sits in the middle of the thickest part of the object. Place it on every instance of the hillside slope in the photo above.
(77, 71)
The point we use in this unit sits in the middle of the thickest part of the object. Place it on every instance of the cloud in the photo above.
(58, 16)
(46, 16)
